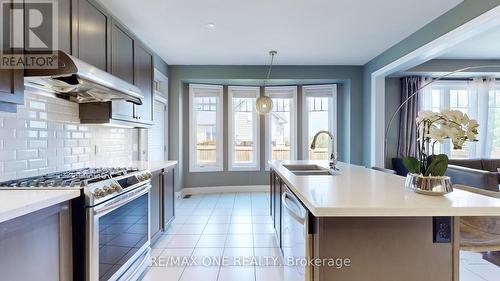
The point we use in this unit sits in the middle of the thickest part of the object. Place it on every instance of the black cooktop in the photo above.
(73, 178)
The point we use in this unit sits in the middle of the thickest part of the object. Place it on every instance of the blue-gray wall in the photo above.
(392, 102)
(349, 117)
(462, 13)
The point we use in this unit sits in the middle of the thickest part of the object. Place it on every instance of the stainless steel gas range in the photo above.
(110, 219)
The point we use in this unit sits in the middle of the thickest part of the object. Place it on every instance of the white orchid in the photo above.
(433, 127)
(448, 124)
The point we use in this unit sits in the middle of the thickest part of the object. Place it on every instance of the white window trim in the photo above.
(253, 92)
(445, 88)
(276, 91)
(332, 127)
(193, 165)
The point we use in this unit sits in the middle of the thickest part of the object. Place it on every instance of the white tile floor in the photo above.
(474, 268)
(232, 225)
(238, 226)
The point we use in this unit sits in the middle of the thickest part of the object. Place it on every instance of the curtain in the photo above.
(407, 141)
(481, 92)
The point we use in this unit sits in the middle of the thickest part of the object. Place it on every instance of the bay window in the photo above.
(319, 105)
(281, 124)
(205, 128)
(243, 122)
(479, 99)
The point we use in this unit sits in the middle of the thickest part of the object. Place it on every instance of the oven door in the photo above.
(117, 241)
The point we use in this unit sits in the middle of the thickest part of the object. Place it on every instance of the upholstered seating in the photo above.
(479, 173)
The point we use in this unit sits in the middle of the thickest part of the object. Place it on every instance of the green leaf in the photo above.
(412, 164)
(438, 166)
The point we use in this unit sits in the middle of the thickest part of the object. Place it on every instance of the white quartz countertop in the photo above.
(153, 165)
(356, 191)
(16, 203)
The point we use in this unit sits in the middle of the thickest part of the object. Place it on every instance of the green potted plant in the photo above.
(426, 171)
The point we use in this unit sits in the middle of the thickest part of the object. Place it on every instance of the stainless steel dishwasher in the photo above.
(296, 239)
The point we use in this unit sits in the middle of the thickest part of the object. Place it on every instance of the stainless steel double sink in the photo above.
(309, 170)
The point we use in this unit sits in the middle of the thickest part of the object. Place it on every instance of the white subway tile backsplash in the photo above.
(38, 143)
(12, 123)
(9, 144)
(70, 143)
(8, 133)
(71, 127)
(24, 154)
(70, 159)
(24, 134)
(13, 166)
(38, 124)
(27, 173)
(37, 105)
(37, 163)
(45, 136)
(7, 155)
(77, 135)
(77, 150)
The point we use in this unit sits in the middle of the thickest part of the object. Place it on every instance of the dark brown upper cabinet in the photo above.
(92, 38)
(143, 77)
(122, 66)
(64, 9)
(11, 80)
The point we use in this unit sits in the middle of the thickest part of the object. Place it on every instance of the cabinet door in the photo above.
(155, 207)
(122, 66)
(11, 81)
(277, 207)
(168, 197)
(64, 22)
(11, 86)
(271, 195)
(41, 239)
(143, 76)
(93, 34)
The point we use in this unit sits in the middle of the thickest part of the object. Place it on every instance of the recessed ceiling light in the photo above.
(211, 25)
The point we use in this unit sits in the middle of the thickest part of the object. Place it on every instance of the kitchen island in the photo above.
(35, 234)
(368, 218)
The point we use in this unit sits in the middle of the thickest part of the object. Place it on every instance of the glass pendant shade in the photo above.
(264, 105)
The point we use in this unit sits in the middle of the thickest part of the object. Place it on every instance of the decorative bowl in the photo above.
(429, 185)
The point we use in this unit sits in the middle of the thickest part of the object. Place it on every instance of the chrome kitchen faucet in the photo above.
(333, 160)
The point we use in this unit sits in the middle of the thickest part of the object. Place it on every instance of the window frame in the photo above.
(277, 92)
(308, 91)
(445, 87)
(211, 91)
(248, 92)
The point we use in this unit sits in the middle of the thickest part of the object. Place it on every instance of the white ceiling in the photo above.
(483, 46)
(304, 32)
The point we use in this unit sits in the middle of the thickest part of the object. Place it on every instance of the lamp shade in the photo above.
(264, 105)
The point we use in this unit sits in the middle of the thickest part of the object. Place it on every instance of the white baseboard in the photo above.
(221, 189)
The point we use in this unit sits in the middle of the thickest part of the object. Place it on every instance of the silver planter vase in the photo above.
(428, 185)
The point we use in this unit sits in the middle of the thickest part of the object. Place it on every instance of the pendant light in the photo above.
(264, 104)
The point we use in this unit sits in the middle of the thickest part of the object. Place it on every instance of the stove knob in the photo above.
(107, 189)
(149, 175)
(98, 193)
(116, 187)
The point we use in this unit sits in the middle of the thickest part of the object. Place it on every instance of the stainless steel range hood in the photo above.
(81, 82)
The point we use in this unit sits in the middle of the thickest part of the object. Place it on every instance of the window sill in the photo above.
(244, 169)
(205, 170)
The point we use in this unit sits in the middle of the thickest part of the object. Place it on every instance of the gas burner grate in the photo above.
(73, 178)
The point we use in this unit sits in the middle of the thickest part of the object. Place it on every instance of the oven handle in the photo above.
(114, 204)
